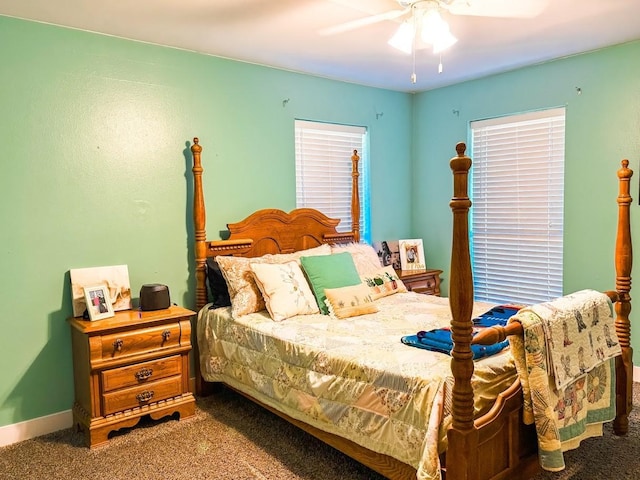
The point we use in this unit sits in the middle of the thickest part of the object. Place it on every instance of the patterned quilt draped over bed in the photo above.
(567, 371)
(352, 377)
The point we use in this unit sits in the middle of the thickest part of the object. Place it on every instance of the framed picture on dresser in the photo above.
(115, 278)
(388, 253)
(412, 254)
(98, 302)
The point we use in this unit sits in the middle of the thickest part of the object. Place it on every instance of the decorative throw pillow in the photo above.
(284, 289)
(329, 271)
(383, 282)
(243, 291)
(364, 256)
(350, 301)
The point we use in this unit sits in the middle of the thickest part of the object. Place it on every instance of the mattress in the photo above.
(352, 377)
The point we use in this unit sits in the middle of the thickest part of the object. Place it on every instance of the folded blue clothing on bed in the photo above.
(439, 340)
(496, 316)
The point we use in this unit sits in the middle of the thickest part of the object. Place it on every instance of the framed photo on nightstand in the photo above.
(412, 254)
(115, 278)
(98, 302)
(388, 253)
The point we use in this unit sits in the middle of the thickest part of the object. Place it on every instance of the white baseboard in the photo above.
(34, 428)
(636, 374)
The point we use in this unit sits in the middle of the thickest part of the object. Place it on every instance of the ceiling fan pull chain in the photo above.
(414, 77)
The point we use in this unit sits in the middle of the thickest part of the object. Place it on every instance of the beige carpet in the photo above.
(231, 438)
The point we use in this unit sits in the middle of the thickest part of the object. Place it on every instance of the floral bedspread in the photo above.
(567, 371)
(351, 377)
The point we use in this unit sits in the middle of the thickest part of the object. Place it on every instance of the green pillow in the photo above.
(329, 271)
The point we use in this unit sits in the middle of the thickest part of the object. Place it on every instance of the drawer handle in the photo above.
(145, 396)
(166, 335)
(117, 345)
(144, 373)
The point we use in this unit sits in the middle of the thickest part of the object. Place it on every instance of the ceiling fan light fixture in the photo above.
(433, 27)
(426, 25)
(403, 38)
(445, 41)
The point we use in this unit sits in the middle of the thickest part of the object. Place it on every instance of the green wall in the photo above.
(94, 142)
(96, 170)
(602, 128)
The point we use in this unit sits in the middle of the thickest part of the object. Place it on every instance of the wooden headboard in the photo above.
(268, 230)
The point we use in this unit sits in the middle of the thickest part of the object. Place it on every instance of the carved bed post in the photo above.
(623, 260)
(199, 219)
(462, 456)
(355, 197)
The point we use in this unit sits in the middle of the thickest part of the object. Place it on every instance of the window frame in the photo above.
(322, 147)
(515, 258)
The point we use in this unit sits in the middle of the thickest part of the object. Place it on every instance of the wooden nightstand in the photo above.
(421, 281)
(128, 366)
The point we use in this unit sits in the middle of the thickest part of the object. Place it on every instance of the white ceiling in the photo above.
(287, 34)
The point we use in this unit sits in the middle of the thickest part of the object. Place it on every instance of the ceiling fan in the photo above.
(424, 26)
(480, 8)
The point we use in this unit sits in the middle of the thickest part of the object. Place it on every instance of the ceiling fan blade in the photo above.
(496, 8)
(361, 22)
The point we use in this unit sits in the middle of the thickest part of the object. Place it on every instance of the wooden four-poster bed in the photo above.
(489, 444)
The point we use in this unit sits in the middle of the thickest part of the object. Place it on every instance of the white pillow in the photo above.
(364, 256)
(285, 290)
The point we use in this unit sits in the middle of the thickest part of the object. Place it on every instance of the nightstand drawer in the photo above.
(421, 281)
(133, 397)
(424, 285)
(140, 341)
(140, 373)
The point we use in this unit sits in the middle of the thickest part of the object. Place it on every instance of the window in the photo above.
(517, 214)
(323, 171)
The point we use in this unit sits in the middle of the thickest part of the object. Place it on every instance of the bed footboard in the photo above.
(498, 445)
(507, 449)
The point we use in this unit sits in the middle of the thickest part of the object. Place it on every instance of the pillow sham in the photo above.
(329, 271)
(244, 293)
(350, 301)
(284, 289)
(383, 282)
(364, 256)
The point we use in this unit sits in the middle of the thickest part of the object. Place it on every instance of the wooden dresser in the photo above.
(128, 366)
(421, 281)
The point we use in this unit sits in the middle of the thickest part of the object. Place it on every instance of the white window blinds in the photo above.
(517, 212)
(323, 171)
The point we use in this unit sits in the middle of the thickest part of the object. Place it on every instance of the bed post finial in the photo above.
(355, 196)
(199, 219)
(463, 432)
(623, 262)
